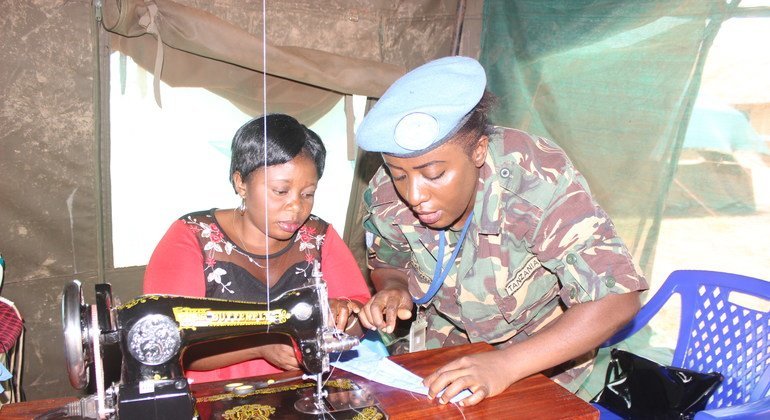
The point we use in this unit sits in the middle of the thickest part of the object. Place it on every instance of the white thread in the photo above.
(264, 151)
(352, 324)
(459, 408)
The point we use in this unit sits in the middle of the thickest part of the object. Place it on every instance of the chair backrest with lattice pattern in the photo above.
(725, 327)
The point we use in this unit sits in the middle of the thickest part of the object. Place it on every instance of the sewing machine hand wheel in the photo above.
(76, 322)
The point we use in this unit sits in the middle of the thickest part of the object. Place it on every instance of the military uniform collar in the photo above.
(498, 177)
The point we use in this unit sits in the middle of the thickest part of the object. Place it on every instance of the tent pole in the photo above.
(458, 27)
(100, 85)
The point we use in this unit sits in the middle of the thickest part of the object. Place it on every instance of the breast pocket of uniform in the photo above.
(526, 290)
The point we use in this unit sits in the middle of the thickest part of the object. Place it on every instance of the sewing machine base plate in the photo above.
(355, 399)
(345, 400)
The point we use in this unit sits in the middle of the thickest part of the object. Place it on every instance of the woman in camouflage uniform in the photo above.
(492, 233)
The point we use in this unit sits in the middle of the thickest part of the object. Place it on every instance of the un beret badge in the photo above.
(416, 131)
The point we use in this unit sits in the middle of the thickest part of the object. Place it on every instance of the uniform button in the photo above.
(505, 172)
(571, 259)
(609, 281)
(572, 293)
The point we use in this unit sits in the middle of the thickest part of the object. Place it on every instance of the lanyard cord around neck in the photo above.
(442, 270)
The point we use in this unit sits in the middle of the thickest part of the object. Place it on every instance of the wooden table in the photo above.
(533, 397)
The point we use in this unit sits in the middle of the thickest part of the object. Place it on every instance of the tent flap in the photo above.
(205, 51)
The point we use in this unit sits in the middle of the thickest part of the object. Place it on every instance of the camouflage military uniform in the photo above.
(538, 244)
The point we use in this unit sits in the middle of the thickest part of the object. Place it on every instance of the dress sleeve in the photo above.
(342, 275)
(176, 265)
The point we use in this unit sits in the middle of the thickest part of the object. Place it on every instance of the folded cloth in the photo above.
(369, 364)
(10, 325)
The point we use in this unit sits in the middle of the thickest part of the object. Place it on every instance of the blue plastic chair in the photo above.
(717, 335)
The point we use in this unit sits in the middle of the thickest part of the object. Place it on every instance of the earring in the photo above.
(242, 207)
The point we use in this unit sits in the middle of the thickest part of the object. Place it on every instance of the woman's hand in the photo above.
(479, 373)
(384, 308)
(342, 309)
(279, 355)
(275, 348)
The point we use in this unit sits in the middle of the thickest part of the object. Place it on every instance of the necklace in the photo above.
(242, 243)
(238, 232)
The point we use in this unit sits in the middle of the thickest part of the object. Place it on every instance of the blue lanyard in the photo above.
(442, 271)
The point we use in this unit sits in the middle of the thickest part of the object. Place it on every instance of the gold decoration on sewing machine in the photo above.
(333, 383)
(250, 411)
(139, 300)
(369, 413)
(191, 318)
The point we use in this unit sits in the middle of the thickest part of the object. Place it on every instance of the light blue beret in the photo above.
(423, 108)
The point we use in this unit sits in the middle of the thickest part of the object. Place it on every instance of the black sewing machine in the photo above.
(152, 332)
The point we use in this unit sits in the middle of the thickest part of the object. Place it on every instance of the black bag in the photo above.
(638, 388)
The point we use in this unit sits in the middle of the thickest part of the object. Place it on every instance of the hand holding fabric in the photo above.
(479, 373)
(280, 355)
(342, 309)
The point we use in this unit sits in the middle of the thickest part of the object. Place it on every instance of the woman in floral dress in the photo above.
(263, 248)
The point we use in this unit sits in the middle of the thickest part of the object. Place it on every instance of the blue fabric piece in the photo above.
(423, 108)
(4, 376)
(373, 343)
(369, 360)
(371, 348)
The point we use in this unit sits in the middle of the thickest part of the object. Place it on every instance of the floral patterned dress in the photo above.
(235, 274)
(196, 258)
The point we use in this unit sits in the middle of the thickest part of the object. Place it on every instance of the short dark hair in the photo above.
(286, 139)
(477, 124)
